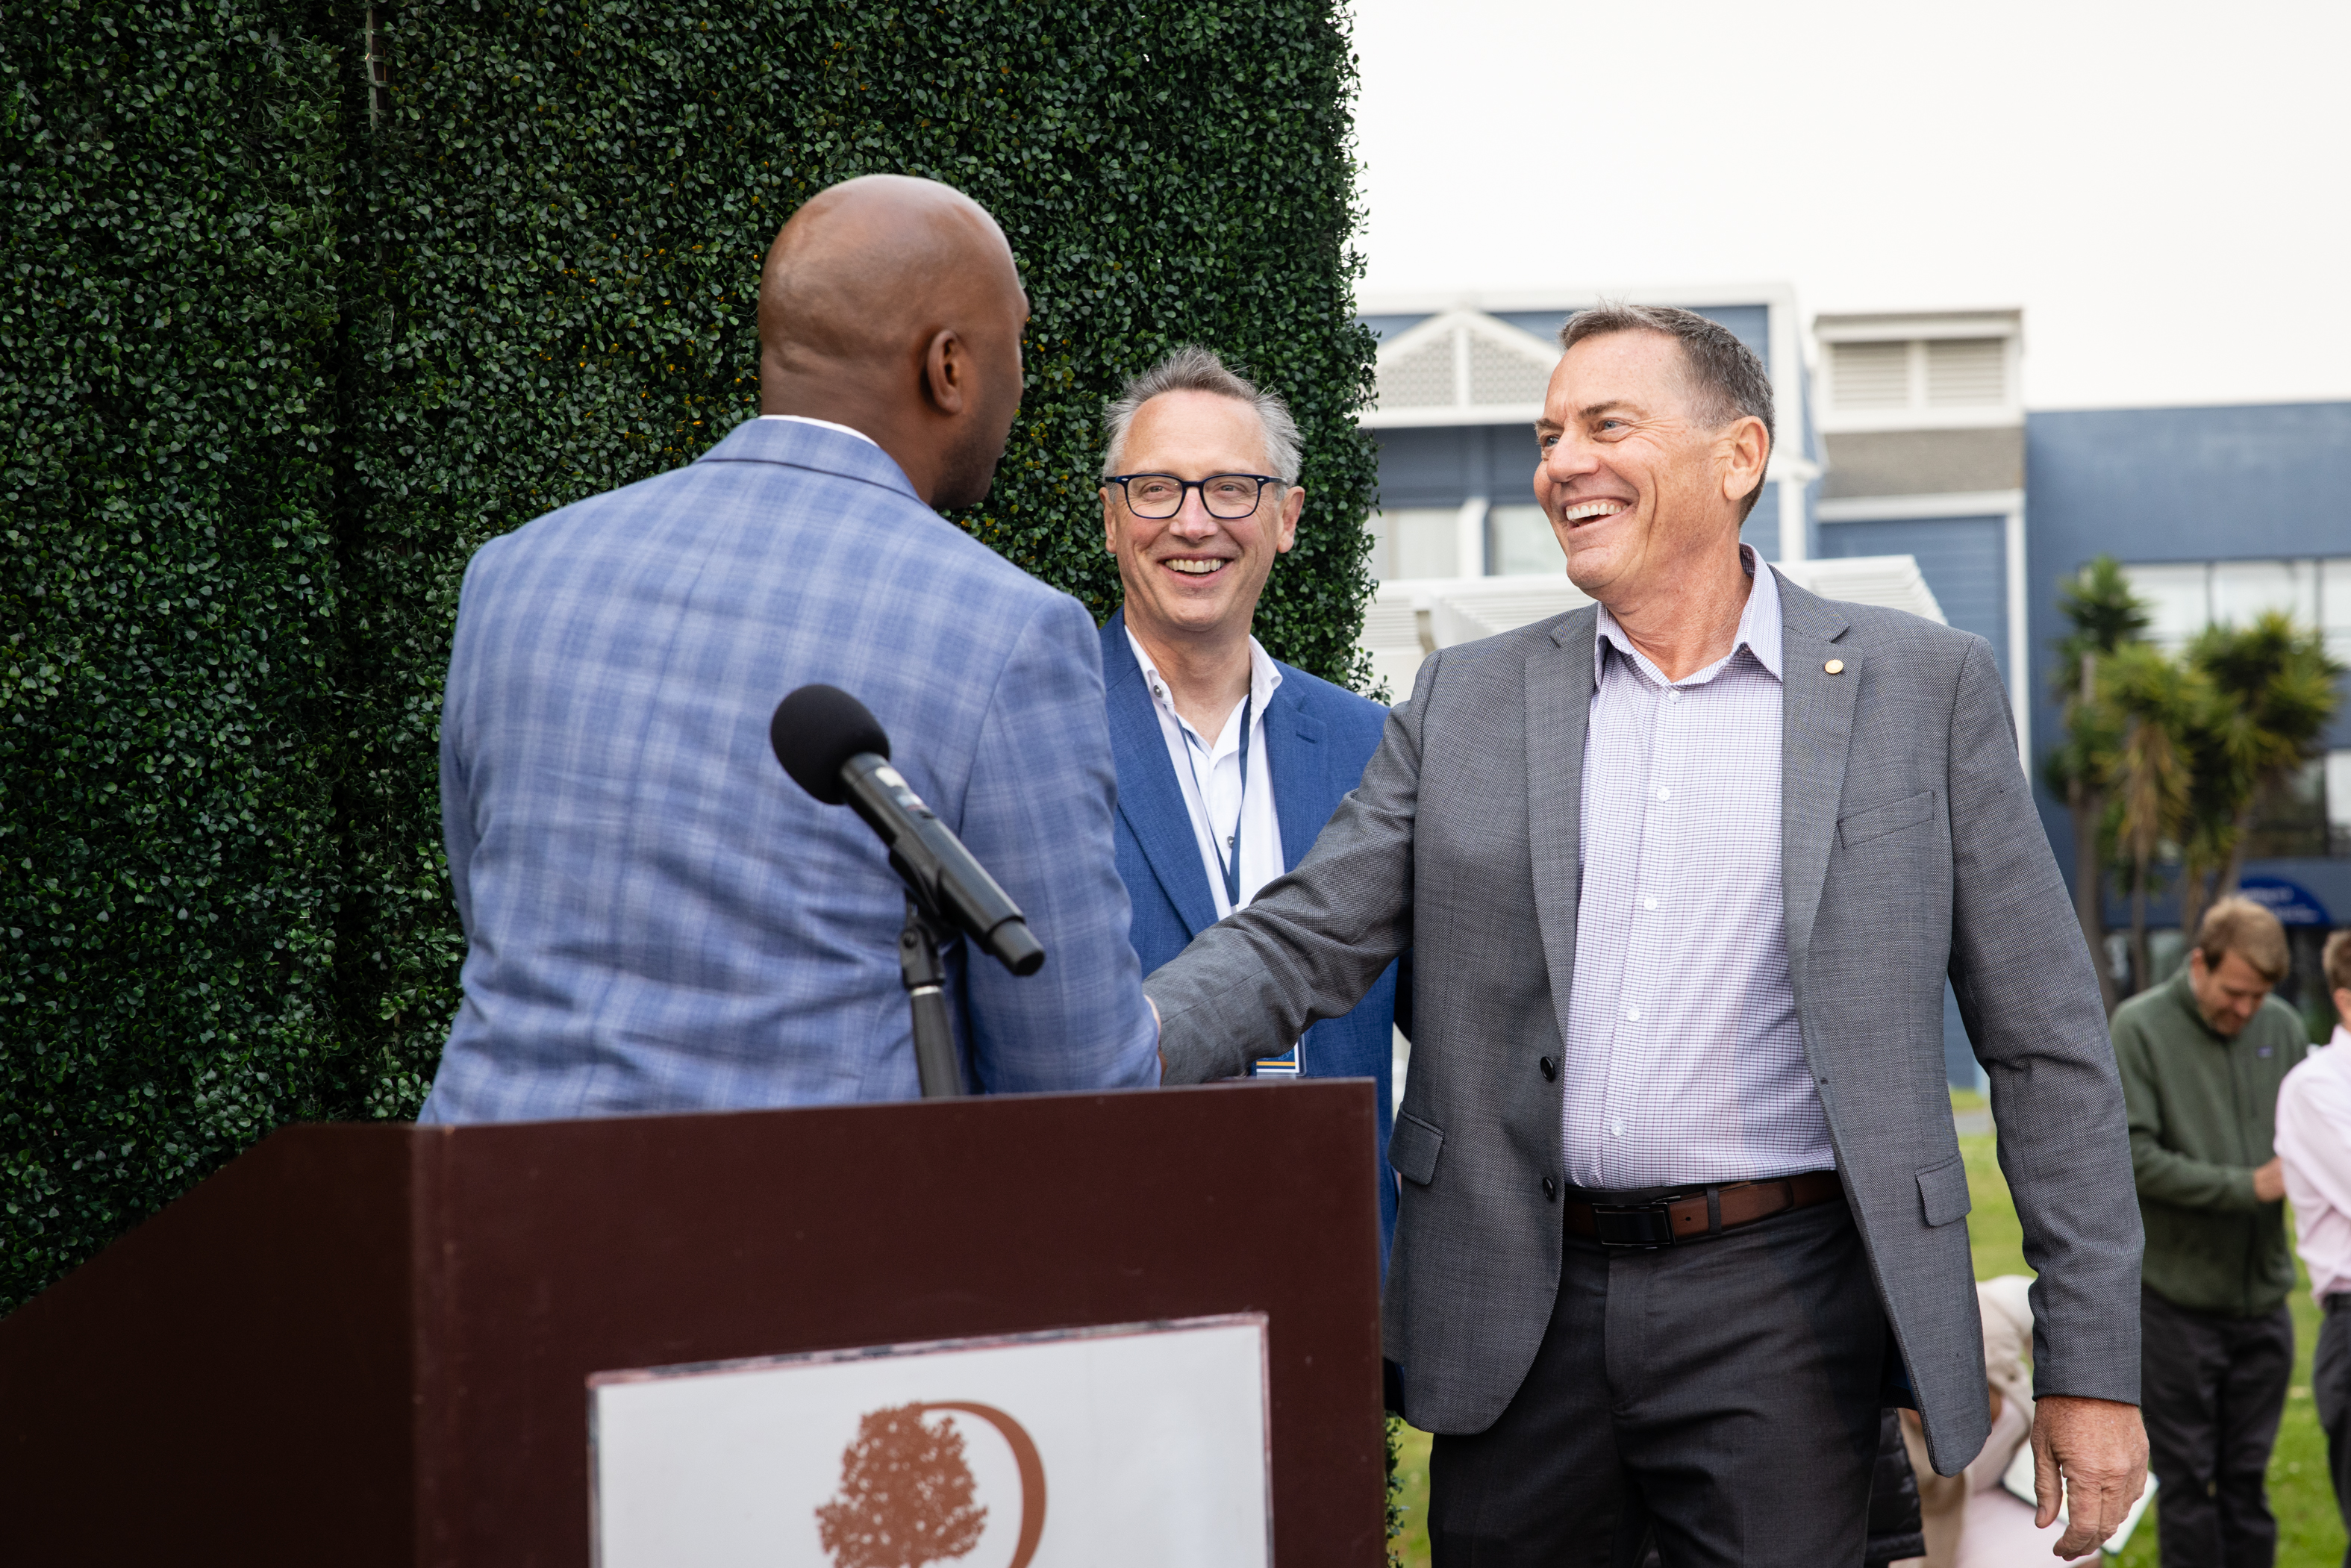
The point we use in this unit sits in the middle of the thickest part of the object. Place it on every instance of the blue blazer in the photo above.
(1318, 738)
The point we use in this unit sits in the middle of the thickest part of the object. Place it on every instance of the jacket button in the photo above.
(1550, 1069)
(1550, 1188)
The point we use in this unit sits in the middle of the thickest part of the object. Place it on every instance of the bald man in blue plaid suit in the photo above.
(657, 918)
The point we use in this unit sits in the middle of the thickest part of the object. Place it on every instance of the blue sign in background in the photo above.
(2292, 903)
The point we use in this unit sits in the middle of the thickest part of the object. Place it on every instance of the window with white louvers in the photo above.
(1498, 376)
(1966, 373)
(1869, 375)
(1461, 361)
(1421, 379)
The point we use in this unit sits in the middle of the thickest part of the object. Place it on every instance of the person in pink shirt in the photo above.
(2314, 1140)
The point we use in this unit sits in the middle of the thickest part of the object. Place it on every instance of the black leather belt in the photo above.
(1694, 1214)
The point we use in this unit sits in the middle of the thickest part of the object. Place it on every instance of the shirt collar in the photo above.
(824, 425)
(1265, 676)
(1759, 630)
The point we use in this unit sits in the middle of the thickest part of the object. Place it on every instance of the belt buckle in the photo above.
(1634, 1227)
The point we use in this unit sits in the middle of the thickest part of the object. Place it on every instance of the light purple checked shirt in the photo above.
(1685, 1063)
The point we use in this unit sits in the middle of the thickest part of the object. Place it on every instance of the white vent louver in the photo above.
(1498, 376)
(1869, 375)
(1421, 379)
(1966, 373)
(1464, 364)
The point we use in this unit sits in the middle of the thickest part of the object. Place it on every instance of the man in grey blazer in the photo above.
(1684, 872)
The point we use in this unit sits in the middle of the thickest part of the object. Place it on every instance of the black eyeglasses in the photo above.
(1227, 496)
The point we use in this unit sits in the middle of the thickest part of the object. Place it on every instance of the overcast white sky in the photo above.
(2109, 168)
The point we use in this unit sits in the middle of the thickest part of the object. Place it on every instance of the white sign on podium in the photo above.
(1143, 1444)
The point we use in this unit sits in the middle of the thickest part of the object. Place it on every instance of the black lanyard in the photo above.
(1232, 863)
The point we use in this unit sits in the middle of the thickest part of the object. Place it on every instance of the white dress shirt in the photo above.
(1209, 774)
(823, 425)
(1685, 1063)
(2313, 1141)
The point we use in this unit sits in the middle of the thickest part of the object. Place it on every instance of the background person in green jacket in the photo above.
(2202, 1059)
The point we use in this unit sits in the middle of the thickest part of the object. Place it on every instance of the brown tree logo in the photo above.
(905, 1494)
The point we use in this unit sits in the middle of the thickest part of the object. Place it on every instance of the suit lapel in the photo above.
(1295, 759)
(1815, 735)
(1148, 795)
(1559, 709)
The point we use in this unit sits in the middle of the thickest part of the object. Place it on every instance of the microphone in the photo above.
(835, 749)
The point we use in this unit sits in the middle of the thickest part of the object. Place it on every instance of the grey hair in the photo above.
(1195, 369)
(1727, 381)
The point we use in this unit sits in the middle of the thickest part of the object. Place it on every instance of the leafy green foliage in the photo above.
(167, 851)
(2102, 618)
(2165, 756)
(2102, 614)
(272, 374)
(2273, 690)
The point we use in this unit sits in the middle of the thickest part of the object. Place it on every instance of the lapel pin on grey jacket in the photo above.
(835, 749)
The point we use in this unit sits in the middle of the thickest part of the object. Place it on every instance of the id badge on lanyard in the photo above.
(1290, 1063)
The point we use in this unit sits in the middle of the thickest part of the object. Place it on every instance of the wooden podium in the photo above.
(371, 1345)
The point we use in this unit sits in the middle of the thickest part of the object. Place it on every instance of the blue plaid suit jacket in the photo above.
(657, 918)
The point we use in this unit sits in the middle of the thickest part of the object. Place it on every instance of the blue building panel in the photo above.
(1447, 465)
(1384, 327)
(1963, 560)
(2190, 484)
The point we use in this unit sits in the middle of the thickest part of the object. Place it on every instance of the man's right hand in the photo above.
(2090, 1455)
(2269, 1180)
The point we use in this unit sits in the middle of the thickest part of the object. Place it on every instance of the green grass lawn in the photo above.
(2310, 1533)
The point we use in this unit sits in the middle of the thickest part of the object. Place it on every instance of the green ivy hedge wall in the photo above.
(278, 354)
(168, 733)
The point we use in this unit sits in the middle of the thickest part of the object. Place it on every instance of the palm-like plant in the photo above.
(2161, 702)
(2220, 790)
(2275, 691)
(2104, 618)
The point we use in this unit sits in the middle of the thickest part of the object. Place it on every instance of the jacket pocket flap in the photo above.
(1891, 817)
(1413, 1148)
(1943, 1191)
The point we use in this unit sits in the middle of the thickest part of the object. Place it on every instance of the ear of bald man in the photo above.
(891, 305)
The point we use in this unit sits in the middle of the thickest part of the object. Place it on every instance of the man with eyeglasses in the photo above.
(1229, 762)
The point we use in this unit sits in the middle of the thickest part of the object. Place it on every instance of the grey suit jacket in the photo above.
(1910, 849)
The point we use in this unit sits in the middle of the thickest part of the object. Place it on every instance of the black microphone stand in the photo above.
(834, 749)
(925, 976)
